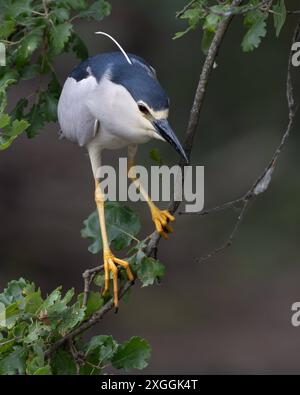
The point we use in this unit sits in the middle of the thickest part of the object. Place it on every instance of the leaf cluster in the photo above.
(34, 33)
(208, 15)
(33, 323)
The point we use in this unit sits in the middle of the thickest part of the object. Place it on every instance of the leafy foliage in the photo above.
(255, 21)
(33, 323)
(35, 32)
(255, 13)
(122, 227)
(133, 354)
(279, 16)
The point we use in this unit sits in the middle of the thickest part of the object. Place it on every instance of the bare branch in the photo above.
(232, 235)
(263, 181)
(88, 277)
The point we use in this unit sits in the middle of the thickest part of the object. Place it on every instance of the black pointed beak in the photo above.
(164, 129)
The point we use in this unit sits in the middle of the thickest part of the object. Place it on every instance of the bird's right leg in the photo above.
(161, 218)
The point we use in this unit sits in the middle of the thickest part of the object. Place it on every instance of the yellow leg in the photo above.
(161, 218)
(109, 259)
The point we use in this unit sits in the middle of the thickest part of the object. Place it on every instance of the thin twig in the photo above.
(187, 7)
(88, 277)
(231, 204)
(263, 181)
(264, 6)
(231, 237)
(75, 355)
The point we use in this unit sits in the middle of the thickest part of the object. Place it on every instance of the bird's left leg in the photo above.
(161, 218)
(110, 261)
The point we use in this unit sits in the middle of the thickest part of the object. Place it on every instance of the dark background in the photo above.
(232, 313)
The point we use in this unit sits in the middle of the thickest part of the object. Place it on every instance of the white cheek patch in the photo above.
(160, 114)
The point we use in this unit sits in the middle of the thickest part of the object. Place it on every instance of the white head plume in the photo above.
(118, 45)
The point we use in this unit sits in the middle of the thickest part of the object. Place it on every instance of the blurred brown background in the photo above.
(227, 315)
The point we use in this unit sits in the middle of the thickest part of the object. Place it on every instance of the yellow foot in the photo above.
(161, 220)
(110, 265)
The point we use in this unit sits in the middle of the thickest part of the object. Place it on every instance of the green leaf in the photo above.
(70, 318)
(7, 27)
(98, 10)
(44, 371)
(33, 302)
(12, 315)
(13, 363)
(6, 345)
(62, 363)
(99, 280)
(61, 14)
(211, 23)
(256, 23)
(150, 270)
(122, 225)
(18, 112)
(181, 34)
(35, 331)
(20, 329)
(75, 4)
(53, 298)
(94, 303)
(279, 16)
(28, 45)
(207, 39)
(193, 15)
(36, 360)
(4, 120)
(18, 8)
(29, 71)
(11, 132)
(13, 292)
(19, 127)
(103, 348)
(59, 36)
(79, 47)
(133, 354)
(36, 119)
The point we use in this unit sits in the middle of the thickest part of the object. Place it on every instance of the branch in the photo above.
(187, 7)
(88, 277)
(196, 109)
(263, 181)
(232, 235)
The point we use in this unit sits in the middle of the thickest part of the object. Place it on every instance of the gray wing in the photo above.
(76, 122)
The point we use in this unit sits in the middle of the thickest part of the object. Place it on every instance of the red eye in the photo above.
(143, 109)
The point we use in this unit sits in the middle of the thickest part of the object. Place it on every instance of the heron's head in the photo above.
(147, 102)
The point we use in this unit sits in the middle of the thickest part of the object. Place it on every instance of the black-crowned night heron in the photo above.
(110, 101)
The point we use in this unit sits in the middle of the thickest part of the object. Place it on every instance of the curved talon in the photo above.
(161, 220)
(110, 262)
